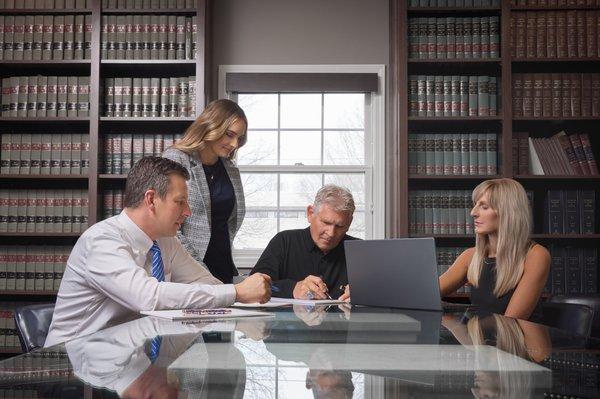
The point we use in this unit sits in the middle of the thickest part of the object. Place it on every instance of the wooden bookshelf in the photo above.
(400, 183)
(95, 125)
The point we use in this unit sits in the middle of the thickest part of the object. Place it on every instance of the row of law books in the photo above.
(570, 212)
(445, 96)
(46, 96)
(440, 212)
(155, 37)
(454, 37)
(445, 258)
(556, 94)
(44, 154)
(454, 3)
(45, 37)
(44, 4)
(560, 154)
(112, 202)
(452, 154)
(9, 336)
(43, 210)
(32, 268)
(123, 150)
(574, 270)
(148, 4)
(555, 34)
(150, 97)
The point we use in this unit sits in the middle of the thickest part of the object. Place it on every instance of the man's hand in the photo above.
(310, 286)
(255, 288)
(346, 295)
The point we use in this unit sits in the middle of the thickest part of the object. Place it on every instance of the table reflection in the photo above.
(314, 352)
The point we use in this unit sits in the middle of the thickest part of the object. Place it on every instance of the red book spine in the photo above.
(589, 154)
(530, 34)
(586, 94)
(561, 34)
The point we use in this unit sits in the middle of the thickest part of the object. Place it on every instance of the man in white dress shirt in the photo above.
(133, 261)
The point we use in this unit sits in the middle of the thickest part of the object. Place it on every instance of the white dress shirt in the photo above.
(108, 278)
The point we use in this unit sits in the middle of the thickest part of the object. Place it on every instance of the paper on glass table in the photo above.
(279, 302)
(199, 314)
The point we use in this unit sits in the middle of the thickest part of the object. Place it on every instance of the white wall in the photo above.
(299, 32)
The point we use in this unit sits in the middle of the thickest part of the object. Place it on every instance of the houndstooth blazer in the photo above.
(195, 231)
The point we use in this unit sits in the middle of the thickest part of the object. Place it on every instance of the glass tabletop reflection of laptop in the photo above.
(398, 273)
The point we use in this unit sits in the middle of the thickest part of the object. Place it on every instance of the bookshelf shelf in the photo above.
(135, 120)
(552, 8)
(45, 11)
(112, 177)
(33, 234)
(44, 62)
(579, 60)
(567, 236)
(454, 61)
(57, 119)
(10, 350)
(453, 177)
(452, 10)
(556, 118)
(454, 118)
(175, 11)
(445, 236)
(44, 177)
(27, 292)
(557, 177)
(148, 62)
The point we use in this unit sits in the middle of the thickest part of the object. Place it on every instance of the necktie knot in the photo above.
(158, 270)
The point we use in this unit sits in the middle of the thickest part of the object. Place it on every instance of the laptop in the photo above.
(397, 273)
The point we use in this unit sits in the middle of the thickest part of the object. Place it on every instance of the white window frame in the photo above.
(374, 141)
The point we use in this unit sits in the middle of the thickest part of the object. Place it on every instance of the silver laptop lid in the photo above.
(399, 273)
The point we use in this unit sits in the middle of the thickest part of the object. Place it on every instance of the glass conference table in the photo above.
(315, 352)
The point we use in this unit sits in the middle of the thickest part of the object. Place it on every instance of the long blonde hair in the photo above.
(211, 125)
(508, 198)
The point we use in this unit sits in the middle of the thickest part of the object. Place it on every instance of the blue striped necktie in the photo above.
(155, 348)
(158, 270)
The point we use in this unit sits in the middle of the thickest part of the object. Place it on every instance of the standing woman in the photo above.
(506, 269)
(216, 196)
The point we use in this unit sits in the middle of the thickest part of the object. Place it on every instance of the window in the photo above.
(297, 142)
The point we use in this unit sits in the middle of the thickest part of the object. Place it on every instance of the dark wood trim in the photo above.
(202, 71)
(176, 11)
(566, 60)
(11, 11)
(147, 62)
(454, 61)
(44, 177)
(10, 350)
(44, 62)
(44, 119)
(455, 118)
(551, 8)
(394, 185)
(453, 177)
(450, 10)
(265, 82)
(33, 234)
(27, 292)
(557, 118)
(505, 144)
(148, 119)
(557, 177)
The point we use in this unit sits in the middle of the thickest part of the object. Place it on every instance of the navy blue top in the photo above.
(222, 201)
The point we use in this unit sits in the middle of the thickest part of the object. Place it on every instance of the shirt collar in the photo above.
(139, 240)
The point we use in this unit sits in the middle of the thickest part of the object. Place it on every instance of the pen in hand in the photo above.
(274, 288)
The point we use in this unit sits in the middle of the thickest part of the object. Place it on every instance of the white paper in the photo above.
(269, 304)
(178, 314)
(314, 302)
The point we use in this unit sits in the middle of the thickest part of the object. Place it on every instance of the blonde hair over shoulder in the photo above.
(509, 199)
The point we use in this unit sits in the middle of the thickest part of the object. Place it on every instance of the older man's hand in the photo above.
(312, 287)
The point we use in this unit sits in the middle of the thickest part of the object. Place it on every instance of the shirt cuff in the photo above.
(224, 295)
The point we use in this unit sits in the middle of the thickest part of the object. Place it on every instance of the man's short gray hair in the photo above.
(337, 198)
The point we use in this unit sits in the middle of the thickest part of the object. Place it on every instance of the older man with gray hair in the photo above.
(310, 263)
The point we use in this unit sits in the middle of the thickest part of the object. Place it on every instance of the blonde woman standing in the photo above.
(506, 269)
(215, 191)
